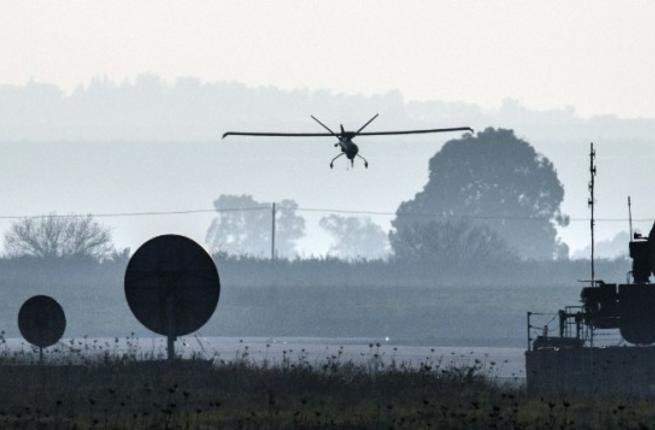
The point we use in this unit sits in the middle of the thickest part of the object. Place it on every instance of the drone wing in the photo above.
(432, 130)
(249, 133)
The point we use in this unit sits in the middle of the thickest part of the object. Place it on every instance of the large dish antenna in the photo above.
(172, 286)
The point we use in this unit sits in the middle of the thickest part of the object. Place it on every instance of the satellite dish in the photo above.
(172, 286)
(41, 321)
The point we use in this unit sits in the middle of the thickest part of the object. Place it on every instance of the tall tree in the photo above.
(59, 236)
(497, 180)
(243, 226)
(355, 237)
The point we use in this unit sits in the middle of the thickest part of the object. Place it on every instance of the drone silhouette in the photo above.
(348, 147)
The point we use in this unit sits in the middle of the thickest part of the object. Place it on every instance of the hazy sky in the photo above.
(596, 56)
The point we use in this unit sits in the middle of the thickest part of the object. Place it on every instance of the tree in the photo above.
(59, 236)
(243, 226)
(355, 237)
(497, 180)
(616, 247)
(450, 244)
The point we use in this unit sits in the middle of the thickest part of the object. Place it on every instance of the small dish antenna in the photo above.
(172, 286)
(42, 322)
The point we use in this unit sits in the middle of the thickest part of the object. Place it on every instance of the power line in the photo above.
(132, 214)
(318, 210)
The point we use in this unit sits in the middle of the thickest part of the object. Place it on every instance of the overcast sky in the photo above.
(596, 56)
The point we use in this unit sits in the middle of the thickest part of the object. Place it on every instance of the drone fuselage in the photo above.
(348, 147)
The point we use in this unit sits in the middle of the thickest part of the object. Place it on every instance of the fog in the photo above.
(152, 145)
(127, 151)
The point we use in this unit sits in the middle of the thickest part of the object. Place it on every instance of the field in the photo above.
(110, 388)
(105, 391)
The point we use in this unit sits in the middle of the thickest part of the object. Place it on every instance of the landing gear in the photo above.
(332, 162)
(352, 160)
(365, 161)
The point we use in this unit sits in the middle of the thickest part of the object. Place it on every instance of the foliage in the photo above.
(355, 237)
(450, 244)
(243, 226)
(122, 392)
(59, 236)
(497, 180)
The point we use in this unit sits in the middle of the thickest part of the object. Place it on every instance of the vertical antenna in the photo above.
(591, 202)
(273, 232)
(630, 217)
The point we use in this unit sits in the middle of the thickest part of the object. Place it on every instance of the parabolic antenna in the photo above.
(41, 321)
(172, 286)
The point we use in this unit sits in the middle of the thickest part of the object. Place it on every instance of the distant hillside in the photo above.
(188, 109)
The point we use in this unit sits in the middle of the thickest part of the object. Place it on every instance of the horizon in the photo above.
(567, 53)
(102, 80)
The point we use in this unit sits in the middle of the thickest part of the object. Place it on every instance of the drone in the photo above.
(348, 147)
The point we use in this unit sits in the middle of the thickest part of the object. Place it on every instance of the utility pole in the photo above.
(273, 232)
(591, 202)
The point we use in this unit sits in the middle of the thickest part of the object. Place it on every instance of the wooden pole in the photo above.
(273, 232)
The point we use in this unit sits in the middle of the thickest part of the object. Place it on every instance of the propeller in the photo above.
(325, 126)
(367, 123)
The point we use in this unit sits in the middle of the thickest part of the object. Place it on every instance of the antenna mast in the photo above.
(630, 217)
(591, 202)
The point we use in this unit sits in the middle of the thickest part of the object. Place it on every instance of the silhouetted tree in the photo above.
(355, 237)
(59, 236)
(450, 243)
(496, 180)
(243, 226)
(616, 247)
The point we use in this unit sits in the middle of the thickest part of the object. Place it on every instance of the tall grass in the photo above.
(102, 389)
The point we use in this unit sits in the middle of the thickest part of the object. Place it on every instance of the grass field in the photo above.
(111, 392)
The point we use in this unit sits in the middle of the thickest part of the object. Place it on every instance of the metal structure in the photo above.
(42, 322)
(345, 138)
(592, 203)
(172, 286)
(627, 307)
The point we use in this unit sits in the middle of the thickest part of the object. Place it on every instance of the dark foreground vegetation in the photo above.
(120, 392)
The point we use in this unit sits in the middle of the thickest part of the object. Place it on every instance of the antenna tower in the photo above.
(630, 218)
(591, 202)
